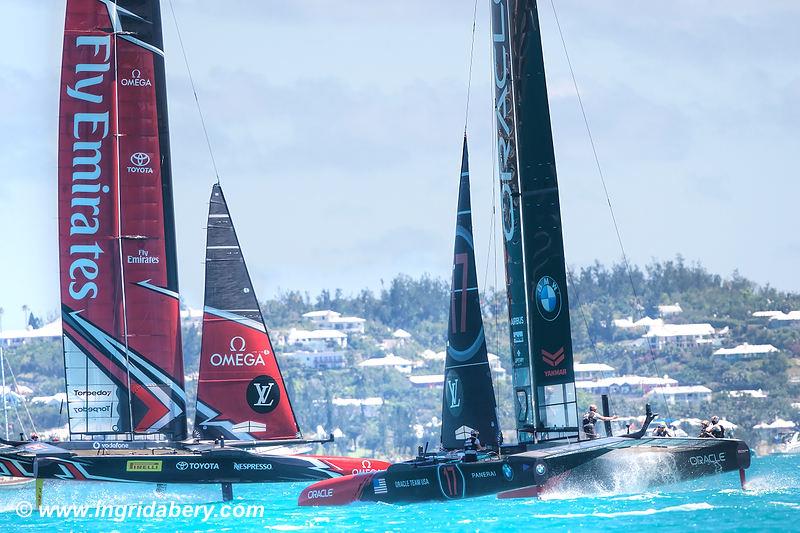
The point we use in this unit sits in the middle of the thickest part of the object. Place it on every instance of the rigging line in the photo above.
(625, 261)
(471, 55)
(194, 91)
(580, 304)
(24, 403)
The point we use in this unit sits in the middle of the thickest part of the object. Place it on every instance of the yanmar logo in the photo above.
(239, 355)
(554, 359)
(143, 466)
(139, 163)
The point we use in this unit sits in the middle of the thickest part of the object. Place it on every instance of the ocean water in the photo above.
(771, 503)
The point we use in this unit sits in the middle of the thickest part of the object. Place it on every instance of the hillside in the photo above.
(599, 295)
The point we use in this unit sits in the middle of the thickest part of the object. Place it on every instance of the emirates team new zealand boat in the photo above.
(551, 452)
(119, 291)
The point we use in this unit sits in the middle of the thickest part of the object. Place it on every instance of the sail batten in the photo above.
(240, 393)
(468, 401)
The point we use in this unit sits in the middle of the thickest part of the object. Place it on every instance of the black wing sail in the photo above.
(535, 269)
(468, 401)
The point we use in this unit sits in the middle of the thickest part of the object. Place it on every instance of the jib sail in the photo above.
(119, 285)
(240, 391)
(468, 401)
(541, 344)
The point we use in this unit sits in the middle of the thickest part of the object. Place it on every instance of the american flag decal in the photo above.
(379, 485)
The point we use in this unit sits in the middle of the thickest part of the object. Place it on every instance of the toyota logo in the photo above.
(182, 465)
(140, 159)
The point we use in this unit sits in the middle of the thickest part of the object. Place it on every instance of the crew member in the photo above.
(716, 429)
(661, 430)
(471, 447)
(591, 418)
(705, 430)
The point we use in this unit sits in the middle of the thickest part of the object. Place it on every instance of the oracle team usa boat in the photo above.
(551, 452)
(119, 290)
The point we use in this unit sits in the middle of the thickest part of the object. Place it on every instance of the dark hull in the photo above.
(214, 466)
(530, 473)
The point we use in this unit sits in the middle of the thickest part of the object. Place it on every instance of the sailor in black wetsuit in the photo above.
(471, 447)
(716, 429)
(705, 430)
(591, 418)
(661, 431)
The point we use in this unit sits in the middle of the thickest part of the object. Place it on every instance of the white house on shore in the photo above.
(319, 360)
(319, 339)
(328, 319)
(747, 351)
(590, 371)
(16, 337)
(669, 310)
(644, 323)
(681, 335)
(632, 386)
(693, 395)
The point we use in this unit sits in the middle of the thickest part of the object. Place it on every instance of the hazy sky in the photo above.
(337, 130)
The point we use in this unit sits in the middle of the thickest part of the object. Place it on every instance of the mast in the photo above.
(241, 394)
(468, 401)
(119, 291)
(5, 390)
(541, 344)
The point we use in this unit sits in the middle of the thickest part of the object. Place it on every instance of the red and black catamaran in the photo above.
(119, 290)
(551, 449)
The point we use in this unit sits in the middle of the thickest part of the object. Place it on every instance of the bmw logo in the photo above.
(548, 298)
(508, 473)
(541, 469)
(182, 465)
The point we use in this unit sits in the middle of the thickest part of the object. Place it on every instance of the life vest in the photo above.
(471, 444)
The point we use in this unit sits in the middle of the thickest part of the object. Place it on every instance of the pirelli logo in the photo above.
(144, 466)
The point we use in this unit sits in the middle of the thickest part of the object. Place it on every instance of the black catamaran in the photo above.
(119, 290)
(550, 451)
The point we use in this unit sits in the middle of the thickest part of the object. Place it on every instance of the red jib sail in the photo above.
(240, 391)
(119, 287)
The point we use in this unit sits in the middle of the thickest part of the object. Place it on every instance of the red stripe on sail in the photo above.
(240, 380)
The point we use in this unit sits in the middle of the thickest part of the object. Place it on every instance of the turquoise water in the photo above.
(772, 503)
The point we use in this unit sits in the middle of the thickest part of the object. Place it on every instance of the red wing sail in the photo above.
(240, 391)
(119, 291)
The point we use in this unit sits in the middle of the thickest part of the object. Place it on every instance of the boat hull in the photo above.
(170, 466)
(530, 473)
